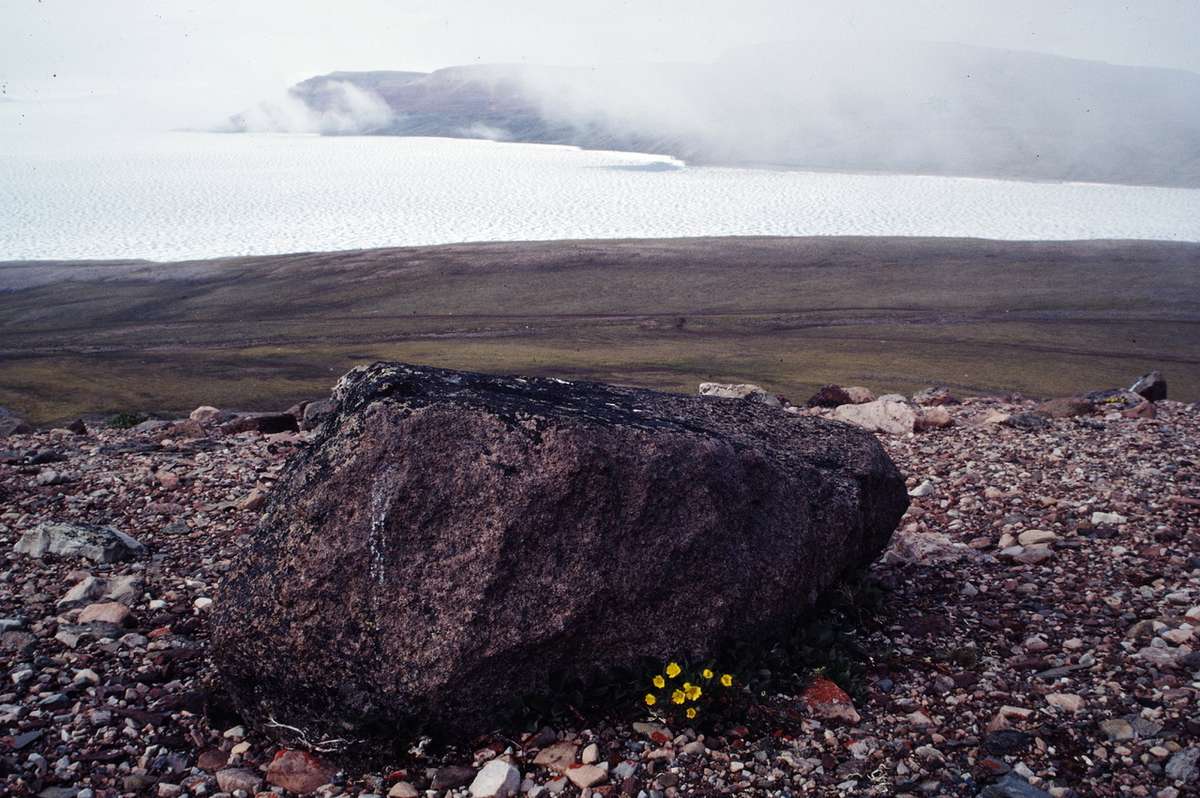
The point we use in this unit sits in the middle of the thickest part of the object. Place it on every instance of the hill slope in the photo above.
(791, 313)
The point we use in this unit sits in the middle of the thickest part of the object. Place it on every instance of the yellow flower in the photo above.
(651, 700)
(659, 682)
(726, 680)
(673, 670)
(677, 697)
(691, 713)
(706, 673)
(692, 691)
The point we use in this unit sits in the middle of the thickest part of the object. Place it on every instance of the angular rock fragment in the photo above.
(889, 414)
(830, 396)
(265, 423)
(299, 771)
(1065, 407)
(747, 390)
(1152, 386)
(315, 414)
(101, 544)
(935, 395)
(497, 779)
(860, 395)
(1029, 422)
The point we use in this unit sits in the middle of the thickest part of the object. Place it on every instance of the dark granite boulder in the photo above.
(450, 539)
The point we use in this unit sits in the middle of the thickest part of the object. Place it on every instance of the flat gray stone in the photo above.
(101, 544)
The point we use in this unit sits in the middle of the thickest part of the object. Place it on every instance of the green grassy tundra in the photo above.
(894, 314)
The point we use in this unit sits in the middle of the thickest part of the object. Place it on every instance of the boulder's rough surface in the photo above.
(743, 390)
(69, 539)
(449, 538)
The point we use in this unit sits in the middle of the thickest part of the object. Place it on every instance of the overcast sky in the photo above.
(227, 53)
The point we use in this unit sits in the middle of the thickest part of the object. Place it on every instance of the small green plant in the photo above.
(126, 420)
(678, 694)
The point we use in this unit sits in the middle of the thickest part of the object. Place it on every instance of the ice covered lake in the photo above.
(193, 195)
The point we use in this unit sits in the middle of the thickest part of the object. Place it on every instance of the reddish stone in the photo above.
(112, 612)
(298, 771)
(1143, 410)
(829, 701)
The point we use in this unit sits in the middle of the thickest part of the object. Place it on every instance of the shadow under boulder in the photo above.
(451, 539)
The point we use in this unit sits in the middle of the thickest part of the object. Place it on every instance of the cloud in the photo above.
(898, 107)
(479, 130)
(338, 108)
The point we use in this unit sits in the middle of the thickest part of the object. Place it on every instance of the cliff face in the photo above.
(915, 108)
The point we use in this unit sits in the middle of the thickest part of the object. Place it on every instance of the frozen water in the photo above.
(193, 195)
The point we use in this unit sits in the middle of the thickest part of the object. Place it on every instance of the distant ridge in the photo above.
(911, 108)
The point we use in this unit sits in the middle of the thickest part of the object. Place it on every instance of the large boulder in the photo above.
(451, 539)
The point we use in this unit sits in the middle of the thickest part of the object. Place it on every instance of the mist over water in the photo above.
(193, 195)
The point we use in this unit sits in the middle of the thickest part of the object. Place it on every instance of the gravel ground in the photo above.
(1036, 634)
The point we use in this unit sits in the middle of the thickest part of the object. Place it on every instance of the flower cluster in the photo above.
(676, 691)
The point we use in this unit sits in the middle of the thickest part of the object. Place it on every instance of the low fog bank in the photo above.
(913, 108)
